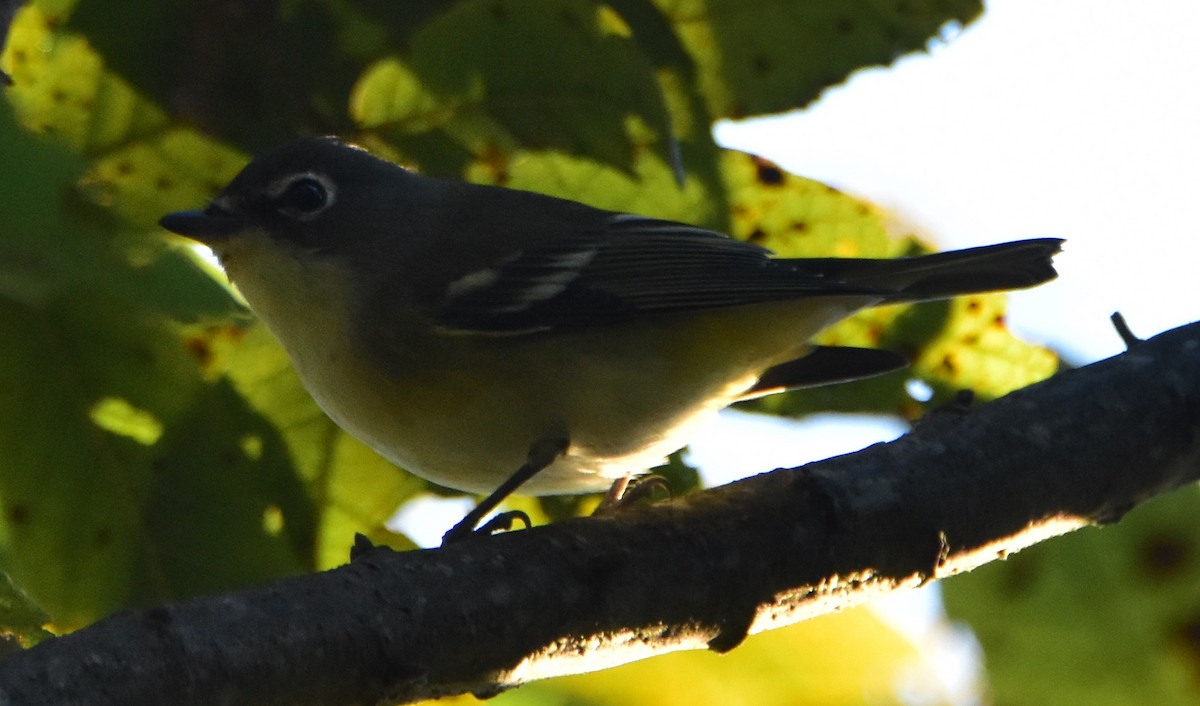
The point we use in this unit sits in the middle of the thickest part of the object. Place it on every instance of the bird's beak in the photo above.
(209, 226)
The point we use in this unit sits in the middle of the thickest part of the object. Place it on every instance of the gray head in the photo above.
(297, 193)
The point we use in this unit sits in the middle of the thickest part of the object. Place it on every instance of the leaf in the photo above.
(226, 509)
(73, 472)
(1102, 618)
(104, 495)
(72, 486)
(798, 217)
(961, 344)
(477, 72)
(60, 87)
(170, 170)
(769, 56)
(248, 74)
(974, 350)
(804, 663)
(651, 190)
(142, 166)
(21, 619)
(124, 478)
(353, 489)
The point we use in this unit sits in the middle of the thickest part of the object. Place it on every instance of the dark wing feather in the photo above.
(636, 265)
(826, 365)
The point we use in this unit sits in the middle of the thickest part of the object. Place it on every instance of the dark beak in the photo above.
(208, 226)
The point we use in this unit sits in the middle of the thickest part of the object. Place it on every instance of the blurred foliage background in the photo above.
(155, 444)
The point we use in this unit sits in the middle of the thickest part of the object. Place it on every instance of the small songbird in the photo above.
(486, 338)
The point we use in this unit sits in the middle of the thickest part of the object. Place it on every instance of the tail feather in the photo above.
(1015, 265)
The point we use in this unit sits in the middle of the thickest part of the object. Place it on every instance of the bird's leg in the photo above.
(541, 454)
(617, 491)
(626, 491)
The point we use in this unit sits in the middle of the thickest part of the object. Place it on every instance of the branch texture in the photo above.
(963, 488)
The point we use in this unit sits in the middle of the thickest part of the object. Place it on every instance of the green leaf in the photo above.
(808, 663)
(73, 481)
(111, 486)
(478, 73)
(142, 166)
(170, 170)
(250, 74)
(768, 56)
(955, 345)
(972, 350)
(650, 190)
(62, 88)
(1096, 617)
(91, 377)
(226, 508)
(798, 217)
(21, 619)
(353, 488)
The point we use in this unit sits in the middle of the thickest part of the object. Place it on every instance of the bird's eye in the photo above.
(305, 196)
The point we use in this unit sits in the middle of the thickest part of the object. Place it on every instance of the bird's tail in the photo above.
(1015, 265)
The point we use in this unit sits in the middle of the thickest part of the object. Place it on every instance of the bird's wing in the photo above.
(629, 265)
(825, 365)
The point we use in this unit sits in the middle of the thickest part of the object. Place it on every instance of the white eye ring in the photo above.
(303, 196)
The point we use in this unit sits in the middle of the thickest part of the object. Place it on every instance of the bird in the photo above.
(493, 340)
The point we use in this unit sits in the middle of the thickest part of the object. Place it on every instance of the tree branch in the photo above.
(965, 487)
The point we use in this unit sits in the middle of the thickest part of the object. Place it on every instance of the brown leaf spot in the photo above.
(164, 183)
(16, 514)
(768, 173)
(843, 25)
(1188, 634)
(800, 226)
(496, 160)
(756, 236)
(761, 64)
(999, 321)
(124, 168)
(949, 365)
(973, 306)
(1164, 556)
(1022, 574)
(200, 349)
